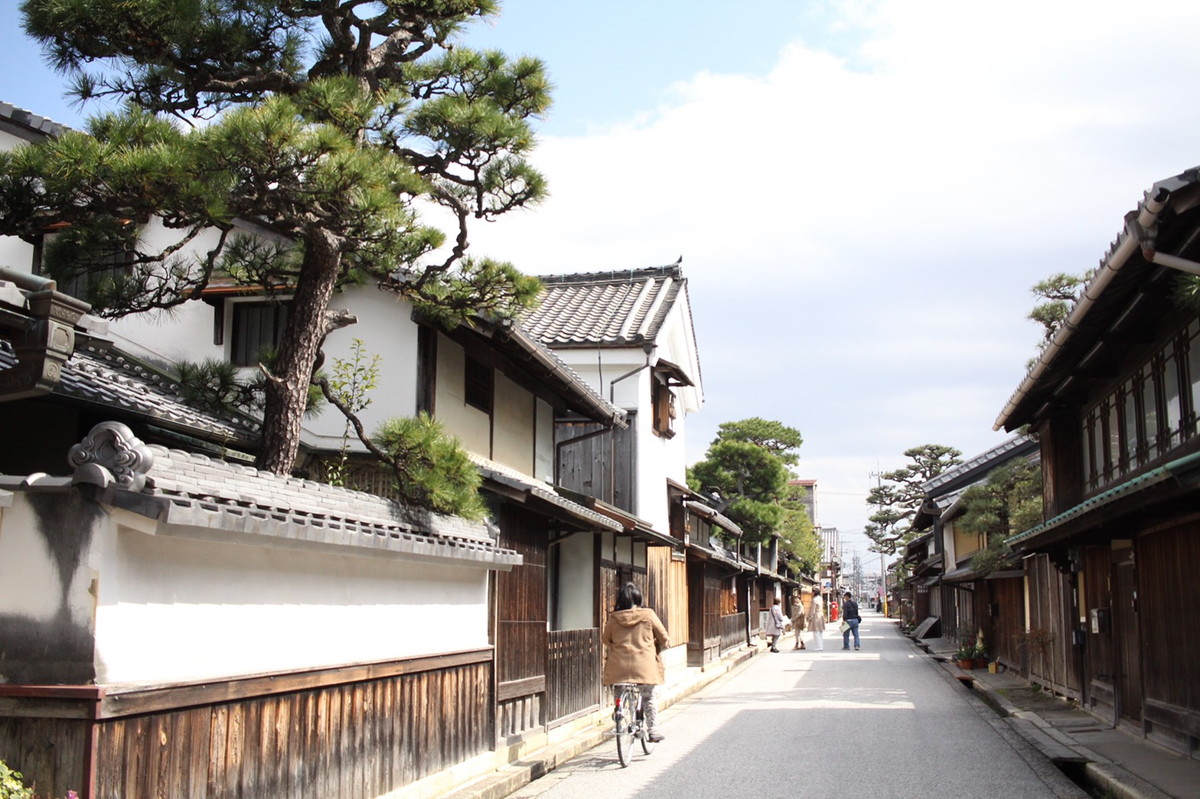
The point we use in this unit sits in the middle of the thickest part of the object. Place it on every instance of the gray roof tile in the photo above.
(191, 491)
(107, 377)
(621, 308)
(30, 120)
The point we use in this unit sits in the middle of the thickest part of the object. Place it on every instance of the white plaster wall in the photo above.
(16, 254)
(543, 458)
(386, 328)
(513, 425)
(30, 586)
(174, 609)
(470, 425)
(576, 581)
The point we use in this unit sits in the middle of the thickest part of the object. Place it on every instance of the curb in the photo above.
(1058, 749)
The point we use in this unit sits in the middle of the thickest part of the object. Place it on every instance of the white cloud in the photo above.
(861, 227)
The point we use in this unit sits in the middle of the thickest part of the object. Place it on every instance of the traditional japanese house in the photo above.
(1115, 402)
(967, 601)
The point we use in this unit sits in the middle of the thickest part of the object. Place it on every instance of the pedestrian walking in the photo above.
(798, 621)
(776, 622)
(816, 621)
(852, 619)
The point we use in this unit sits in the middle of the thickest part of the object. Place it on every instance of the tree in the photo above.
(1009, 501)
(897, 501)
(746, 465)
(775, 437)
(317, 126)
(1058, 294)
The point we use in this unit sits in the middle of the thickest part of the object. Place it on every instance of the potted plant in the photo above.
(979, 653)
(964, 656)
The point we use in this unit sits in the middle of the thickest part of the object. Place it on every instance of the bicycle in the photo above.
(630, 722)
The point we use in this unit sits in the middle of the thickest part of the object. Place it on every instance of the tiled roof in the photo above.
(103, 376)
(543, 491)
(605, 308)
(196, 496)
(28, 119)
(1012, 447)
(208, 493)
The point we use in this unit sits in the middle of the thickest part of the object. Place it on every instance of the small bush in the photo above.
(12, 785)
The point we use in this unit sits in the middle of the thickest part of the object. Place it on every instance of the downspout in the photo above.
(647, 348)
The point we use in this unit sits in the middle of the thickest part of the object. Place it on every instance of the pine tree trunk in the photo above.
(287, 387)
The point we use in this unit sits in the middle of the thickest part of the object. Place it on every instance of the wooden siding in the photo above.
(1007, 619)
(348, 741)
(1048, 648)
(666, 584)
(573, 678)
(522, 630)
(598, 462)
(1099, 650)
(1169, 596)
(733, 631)
(52, 752)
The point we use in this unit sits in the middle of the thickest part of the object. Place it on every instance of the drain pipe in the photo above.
(647, 348)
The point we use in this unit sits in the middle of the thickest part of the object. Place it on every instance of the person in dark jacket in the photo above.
(633, 638)
(851, 617)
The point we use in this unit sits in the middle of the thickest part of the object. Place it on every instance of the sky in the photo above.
(863, 193)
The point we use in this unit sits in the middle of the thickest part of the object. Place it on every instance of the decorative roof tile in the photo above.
(196, 496)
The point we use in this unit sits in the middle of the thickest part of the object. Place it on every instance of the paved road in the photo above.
(881, 722)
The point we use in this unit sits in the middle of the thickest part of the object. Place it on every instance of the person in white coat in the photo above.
(816, 621)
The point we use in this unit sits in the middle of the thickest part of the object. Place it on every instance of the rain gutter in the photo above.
(1128, 243)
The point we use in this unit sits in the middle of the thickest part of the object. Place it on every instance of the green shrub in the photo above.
(11, 784)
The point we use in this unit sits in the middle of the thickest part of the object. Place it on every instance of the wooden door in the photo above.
(1128, 638)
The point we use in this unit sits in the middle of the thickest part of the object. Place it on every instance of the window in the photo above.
(257, 327)
(1172, 401)
(664, 406)
(1152, 412)
(479, 385)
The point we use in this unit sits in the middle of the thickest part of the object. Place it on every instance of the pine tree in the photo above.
(898, 496)
(747, 465)
(316, 126)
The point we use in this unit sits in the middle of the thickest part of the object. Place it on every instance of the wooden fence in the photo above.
(318, 734)
(573, 676)
(733, 631)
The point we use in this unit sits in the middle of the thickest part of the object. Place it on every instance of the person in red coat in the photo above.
(633, 639)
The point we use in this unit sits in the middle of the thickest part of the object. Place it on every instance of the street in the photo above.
(881, 722)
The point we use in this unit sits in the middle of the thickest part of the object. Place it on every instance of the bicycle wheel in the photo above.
(624, 725)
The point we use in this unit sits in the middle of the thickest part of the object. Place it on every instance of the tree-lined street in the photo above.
(883, 721)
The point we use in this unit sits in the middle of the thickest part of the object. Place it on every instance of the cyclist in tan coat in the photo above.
(633, 637)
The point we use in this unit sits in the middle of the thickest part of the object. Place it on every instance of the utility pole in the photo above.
(882, 565)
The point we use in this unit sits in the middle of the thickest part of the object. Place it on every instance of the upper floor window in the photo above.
(479, 384)
(663, 399)
(1145, 416)
(257, 328)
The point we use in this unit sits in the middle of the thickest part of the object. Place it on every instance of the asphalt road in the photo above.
(880, 722)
